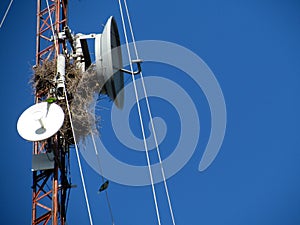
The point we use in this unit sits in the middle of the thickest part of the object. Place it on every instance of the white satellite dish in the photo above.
(109, 61)
(40, 121)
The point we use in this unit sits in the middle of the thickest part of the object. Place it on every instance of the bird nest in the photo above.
(81, 89)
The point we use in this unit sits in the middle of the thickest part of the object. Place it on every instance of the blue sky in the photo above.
(253, 49)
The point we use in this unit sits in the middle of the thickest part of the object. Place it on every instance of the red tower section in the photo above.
(50, 183)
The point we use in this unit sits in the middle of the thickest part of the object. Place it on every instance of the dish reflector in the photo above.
(109, 62)
(40, 121)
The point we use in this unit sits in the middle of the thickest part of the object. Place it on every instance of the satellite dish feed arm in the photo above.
(139, 68)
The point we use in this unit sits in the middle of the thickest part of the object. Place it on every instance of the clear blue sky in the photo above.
(252, 47)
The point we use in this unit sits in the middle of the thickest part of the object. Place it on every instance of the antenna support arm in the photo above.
(139, 68)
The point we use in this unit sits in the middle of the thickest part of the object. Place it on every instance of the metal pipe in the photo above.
(61, 64)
